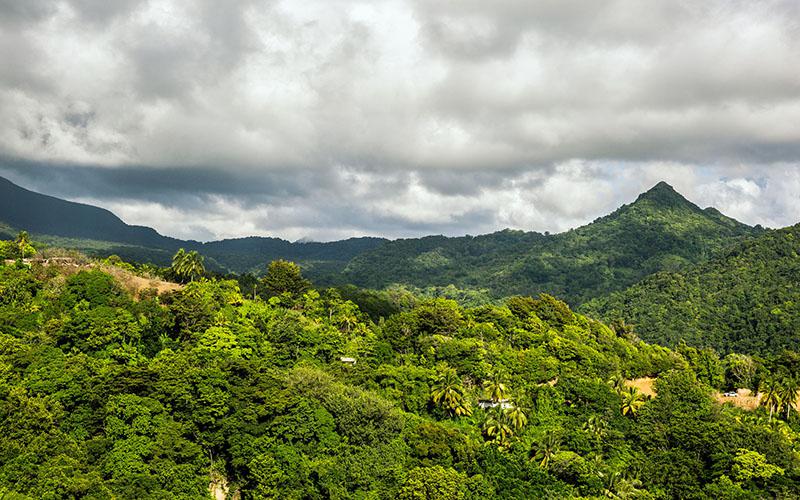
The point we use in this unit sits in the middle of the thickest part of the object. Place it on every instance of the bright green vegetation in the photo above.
(747, 300)
(299, 394)
(660, 231)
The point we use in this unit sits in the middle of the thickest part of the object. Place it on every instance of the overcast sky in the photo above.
(334, 118)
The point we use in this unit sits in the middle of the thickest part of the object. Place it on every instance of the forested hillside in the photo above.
(746, 301)
(660, 231)
(298, 394)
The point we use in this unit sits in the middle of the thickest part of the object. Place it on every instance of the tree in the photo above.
(448, 392)
(632, 401)
(595, 427)
(771, 398)
(545, 448)
(177, 260)
(617, 382)
(430, 483)
(495, 388)
(624, 330)
(741, 370)
(195, 265)
(188, 264)
(498, 429)
(517, 417)
(748, 465)
(282, 277)
(788, 394)
(23, 243)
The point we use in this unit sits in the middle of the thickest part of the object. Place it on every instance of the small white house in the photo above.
(504, 404)
(347, 361)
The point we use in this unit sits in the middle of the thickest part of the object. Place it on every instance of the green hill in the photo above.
(661, 230)
(201, 390)
(747, 300)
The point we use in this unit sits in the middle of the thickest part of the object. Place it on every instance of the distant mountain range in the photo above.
(660, 231)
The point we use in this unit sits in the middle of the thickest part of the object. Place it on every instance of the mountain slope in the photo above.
(661, 230)
(42, 214)
(746, 301)
(98, 231)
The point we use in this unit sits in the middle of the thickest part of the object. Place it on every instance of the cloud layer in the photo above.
(334, 118)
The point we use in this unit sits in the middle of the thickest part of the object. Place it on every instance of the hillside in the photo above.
(661, 230)
(747, 300)
(201, 391)
(42, 214)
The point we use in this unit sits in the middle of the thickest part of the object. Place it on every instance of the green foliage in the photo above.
(305, 396)
(749, 465)
(661, 231)
(745, 301)
(284, 277)
(188, 265)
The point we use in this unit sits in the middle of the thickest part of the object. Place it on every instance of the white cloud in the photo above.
(446, 116)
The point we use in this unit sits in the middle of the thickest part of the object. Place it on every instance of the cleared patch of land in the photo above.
(644, 384)
(745, 398)
(135, 284)
(129, 281)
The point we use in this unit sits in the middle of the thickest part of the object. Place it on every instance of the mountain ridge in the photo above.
(660, 230)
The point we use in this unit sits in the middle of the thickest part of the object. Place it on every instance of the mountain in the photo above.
(320, 260)
(747, 300)
(659, 231)
(42, 214)
(98, 231)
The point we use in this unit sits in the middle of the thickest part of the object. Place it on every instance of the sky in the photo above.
(326, 119)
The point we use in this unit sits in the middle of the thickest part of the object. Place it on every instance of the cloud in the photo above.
(399, 117)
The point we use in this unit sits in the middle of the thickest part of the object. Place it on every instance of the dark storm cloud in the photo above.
(396, 117)
(168, 186)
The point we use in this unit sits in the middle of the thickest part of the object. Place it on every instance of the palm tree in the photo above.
(788, 394)
(596, 427)
(448, 392)
(188, 264)
(496, 389)
(545, 448)
(516, 417)
(771, 398)
(194, 265)
(618, 486)
(617, 382)
(23, 241)
(632, 401)
(178, 262)
(499, 429)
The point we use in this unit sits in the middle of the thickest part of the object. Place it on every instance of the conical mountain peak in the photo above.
(664, 195)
